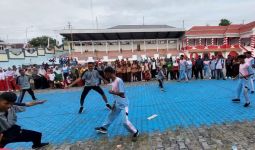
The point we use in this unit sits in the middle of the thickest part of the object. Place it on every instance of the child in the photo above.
(9, 131)
(24, 82)
(3, 83)
(120, 106)
(182, 69)
(51, 79)
(92, 79)
(160, 77)
(244, 74)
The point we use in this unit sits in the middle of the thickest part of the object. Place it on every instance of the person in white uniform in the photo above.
(120, 106)
(244, 75)
(250, 61)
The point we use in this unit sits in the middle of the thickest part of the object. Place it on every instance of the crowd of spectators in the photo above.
(59, 76)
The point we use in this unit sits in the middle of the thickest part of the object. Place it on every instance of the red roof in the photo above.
(247, 27)
(231, 29)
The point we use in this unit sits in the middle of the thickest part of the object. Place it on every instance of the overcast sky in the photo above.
(43, 17)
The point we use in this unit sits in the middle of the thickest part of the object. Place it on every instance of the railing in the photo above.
(225, 46)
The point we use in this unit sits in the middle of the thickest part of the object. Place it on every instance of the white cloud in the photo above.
(48, 15)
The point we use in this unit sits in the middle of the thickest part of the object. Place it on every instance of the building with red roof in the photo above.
(215, 40)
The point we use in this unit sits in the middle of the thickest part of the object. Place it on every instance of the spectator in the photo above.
(219, 67)
(207, 71)
(3, 83)
(58, 82)
(51, 79)
(9, 74)
(229, 65)
(189, 69)
(199, 65)
(212, 67)
(169, 66)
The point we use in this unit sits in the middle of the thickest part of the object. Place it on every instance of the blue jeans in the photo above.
(189, 73)
(243, 86)
(206, 71)
(183, 75)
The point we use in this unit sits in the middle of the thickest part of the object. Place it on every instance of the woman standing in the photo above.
(133, 71)
(129, 71)
(207, 68)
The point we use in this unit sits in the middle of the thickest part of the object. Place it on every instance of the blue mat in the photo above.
(183, 104)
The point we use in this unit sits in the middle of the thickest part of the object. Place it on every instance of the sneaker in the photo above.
(109, 106)
(42, 145)
(162, 90)
(236, 100)
(81, 110)
(135, 136)
(247, 104)
(101, 130)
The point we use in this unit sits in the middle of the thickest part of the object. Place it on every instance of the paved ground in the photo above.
(182, 111)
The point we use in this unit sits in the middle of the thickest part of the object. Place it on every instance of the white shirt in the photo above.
(249, 61)
(206, 62)
(42, 72)
(52, 76)
(9, 73)
(2, 76)
(244, 69)
(219, 64)
(17, 73)
(153, 65)
(118, 86)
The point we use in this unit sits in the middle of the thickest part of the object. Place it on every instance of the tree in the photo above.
(224, 22)
(43, 41)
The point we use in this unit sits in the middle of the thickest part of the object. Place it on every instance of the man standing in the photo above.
(153, 68)
(24, 82)
(219, 67)
(92, 80)
(212, 67)
(229, 65)
(199, 65)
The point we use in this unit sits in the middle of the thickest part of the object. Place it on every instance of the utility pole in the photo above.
(143, 20)
(97, 22)
(70, 29)
(183, 26)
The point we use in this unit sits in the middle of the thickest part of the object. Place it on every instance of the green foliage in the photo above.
(42, 42)
(224, 22)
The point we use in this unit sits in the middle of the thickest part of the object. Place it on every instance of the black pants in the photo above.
(169, 75)
(22, 93)
(129, 76)
(153, 73)
(219, 74)
(22, 135)
(199, 71)
(229, 71)
(138, 76)
(86, 91)
(41, 82)
(160, 83)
